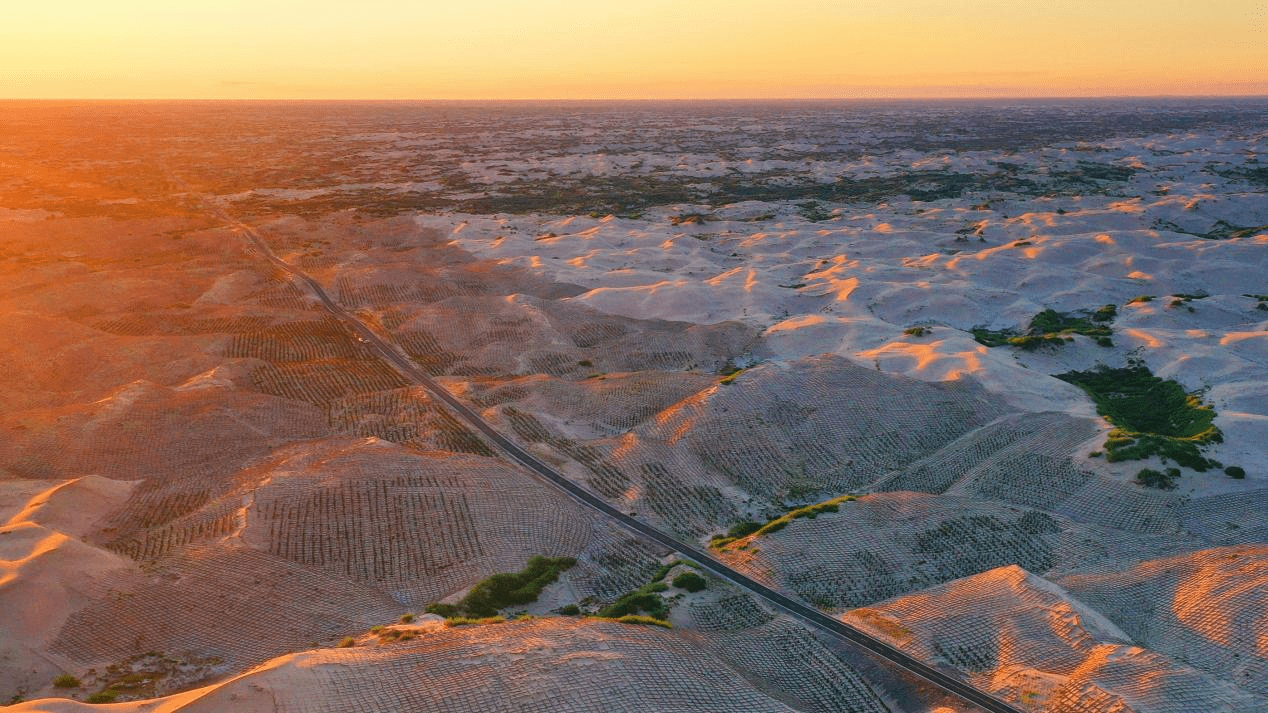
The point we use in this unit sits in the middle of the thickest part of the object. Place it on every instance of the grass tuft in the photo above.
(474, 621)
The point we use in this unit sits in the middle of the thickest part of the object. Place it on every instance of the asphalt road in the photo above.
(804, 613)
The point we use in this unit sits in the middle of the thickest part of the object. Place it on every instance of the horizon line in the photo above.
(596, 100)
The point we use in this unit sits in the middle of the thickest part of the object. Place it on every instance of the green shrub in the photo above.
(690, 581)
(663, 570)
(742, 529)
(809, 511)
(917, 331)
(570, 610)
(774, 526)
(643, 599)
(1141, 299)
(106, 696)
(507, 589)
(67, 681)
(1151, 478)
(1234, 471)
(1152, 416)
(445, 610)
(347, 642)
(407, 618)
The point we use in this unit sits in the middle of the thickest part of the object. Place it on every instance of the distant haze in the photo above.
(637, 49)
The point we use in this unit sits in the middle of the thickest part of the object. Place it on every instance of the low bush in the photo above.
(570, 610)
(1234, 471)
(506, 589)
(347, 642)
(106, 696)
(742, 529)
(445, 610)
(67, 681)
(1151, 478)
(644, 599)
(690, 581)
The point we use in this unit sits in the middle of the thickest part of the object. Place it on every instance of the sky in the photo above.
(629, 49)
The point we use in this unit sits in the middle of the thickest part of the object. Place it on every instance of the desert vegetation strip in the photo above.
(1051, 328)
(749, 528)
(1152, 416)
(506, 589)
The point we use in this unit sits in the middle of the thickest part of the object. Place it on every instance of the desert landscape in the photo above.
(870, 406)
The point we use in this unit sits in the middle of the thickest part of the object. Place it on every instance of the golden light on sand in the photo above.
(509, 49)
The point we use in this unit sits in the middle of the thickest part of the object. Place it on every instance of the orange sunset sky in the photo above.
(634, 49)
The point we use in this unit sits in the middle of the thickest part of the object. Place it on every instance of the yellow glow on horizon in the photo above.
(637, 49)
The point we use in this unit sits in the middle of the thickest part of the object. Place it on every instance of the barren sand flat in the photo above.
(909, 364)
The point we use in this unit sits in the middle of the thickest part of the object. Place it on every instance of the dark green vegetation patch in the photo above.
(746, 528)
(1054, 328)
(1152, 416)
(506, 589)
(690, 581)
(645, 599)
(1151, 478)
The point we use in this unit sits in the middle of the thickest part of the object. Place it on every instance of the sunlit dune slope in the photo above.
(1208, 609)
(1031, 642)
(555, 664)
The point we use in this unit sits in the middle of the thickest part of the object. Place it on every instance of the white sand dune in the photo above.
(45, 567)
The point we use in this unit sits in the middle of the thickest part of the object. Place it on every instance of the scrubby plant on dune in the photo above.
(744, 529)
(474, 621)
(690, 581)
(1151, 415)
(637, 619)
(1051, 327)
(645, 599)
(1151, 478)
(506, 589)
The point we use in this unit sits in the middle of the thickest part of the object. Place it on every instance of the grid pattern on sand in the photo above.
(238, 604)
(407, 415)
(421, 526)
(1028, 641)
(1208, 609)
(554, 664)
(782, 653)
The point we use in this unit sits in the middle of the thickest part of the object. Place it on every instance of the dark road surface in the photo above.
(804, 613)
